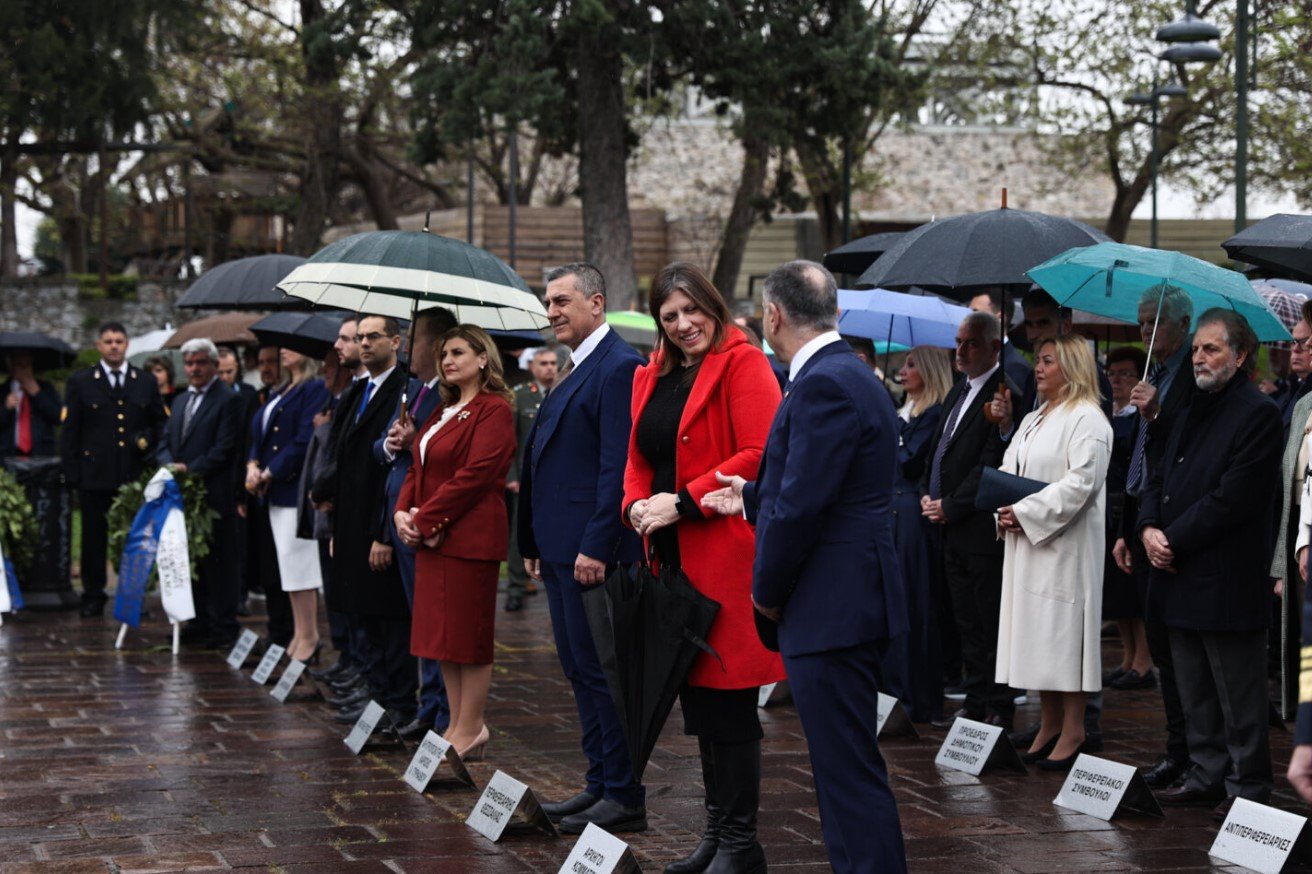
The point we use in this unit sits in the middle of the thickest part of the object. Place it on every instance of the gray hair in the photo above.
(1176, 303)
(985, 324)
(203, 345)
(806, 291)
(1239, 335)
(589, 278)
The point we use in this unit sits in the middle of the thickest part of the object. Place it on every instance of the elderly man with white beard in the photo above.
(1207, 523)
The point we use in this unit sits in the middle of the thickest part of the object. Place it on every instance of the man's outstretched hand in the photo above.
(727, 501)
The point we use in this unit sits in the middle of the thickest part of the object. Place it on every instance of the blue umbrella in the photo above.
(1109, 279)
(905, 320)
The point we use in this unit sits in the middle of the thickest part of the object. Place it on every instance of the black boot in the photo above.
(701, 857)
(738, 781)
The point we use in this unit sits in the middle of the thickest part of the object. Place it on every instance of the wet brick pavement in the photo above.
(137, 761)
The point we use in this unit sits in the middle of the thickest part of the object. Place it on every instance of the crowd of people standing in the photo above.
(853, 546)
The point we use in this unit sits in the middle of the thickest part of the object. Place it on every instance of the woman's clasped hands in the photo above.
(409, 532)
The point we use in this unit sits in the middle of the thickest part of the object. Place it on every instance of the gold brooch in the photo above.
(462, 415)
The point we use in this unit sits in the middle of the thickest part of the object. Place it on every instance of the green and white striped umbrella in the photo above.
(396, 273)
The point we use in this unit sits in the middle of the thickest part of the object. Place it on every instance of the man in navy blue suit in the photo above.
(571, 487)
(826, 568)
(393, 450)
(204, 438)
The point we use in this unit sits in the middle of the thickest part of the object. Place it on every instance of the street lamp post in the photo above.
(1152, 99)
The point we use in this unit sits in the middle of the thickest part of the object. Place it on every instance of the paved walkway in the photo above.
(138, 761)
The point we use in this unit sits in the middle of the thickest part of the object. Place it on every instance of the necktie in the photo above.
(419, 399)
(24, 437)
(116, 377)
(364, 402)
(564, 372)
(936, 471)
(1134, 476)
(188, 414)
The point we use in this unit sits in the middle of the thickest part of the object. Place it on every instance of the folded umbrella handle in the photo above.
(704, 647)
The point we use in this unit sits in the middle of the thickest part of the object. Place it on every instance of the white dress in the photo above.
(1052, 576)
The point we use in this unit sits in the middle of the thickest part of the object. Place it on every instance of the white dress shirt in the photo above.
(809, 348)
(591, 342)
(975, 387)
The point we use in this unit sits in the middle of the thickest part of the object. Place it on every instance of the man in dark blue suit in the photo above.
(571, 488)
(393, 450)
(204, 438)
(826, 568)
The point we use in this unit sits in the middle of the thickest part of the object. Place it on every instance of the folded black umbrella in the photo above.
(245, 284)
(48, 353)
(1281, 245)
(648, 627)
(311, 334)
(853, 258)
(955, 256)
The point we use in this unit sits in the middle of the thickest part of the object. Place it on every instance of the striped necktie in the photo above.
(1134, 476)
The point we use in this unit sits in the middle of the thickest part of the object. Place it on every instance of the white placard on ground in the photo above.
(763, 697)
(506, 799)
(972, 746)
(599, 852)
(242, 648)
(288, 680)
(1103, 788)
(364, 727)
(432, 750)
(264, 669)
(1259, 837)
(892, 719)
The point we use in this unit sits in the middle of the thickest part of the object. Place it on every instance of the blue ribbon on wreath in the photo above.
(139, 553)
(15, 594)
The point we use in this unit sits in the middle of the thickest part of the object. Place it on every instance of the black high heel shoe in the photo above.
(312, 660)
(1061, 764)
(1042, 752)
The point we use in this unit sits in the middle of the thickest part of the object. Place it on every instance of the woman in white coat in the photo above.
(1052, 575)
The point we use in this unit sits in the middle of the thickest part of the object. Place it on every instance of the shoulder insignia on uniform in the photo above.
(63, 414)
(142, 443)
(533, 388)
(95, 374)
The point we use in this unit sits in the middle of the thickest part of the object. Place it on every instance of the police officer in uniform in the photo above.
(113, 421)
(528, 397)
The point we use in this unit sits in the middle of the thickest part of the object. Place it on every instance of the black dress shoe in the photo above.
(92, 609)
(347, 685)
(1051, 764)
(558, 810)
(415, 729)
(1181, 794)
(514, 604)
(1042, 752)
(1112, 676)
(359, 696)
(609, 815)
(1003, 722)
(1222, 810)
(332, 672)
(946, 723)
(1163, 772)
(350, 715)
(1131, 680)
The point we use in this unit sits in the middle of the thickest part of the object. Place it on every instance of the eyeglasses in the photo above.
(372, 336)
(1305, 344)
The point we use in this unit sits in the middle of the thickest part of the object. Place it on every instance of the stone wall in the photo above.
(55, 307)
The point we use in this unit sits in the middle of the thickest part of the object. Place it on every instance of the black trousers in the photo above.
(218, 586)
(263, 567)
(975, 583)
(721, 715)
(95, 542)
(1159, 647)
(394, 673)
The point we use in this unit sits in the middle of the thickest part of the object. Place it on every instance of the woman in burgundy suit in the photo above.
(452, 511)
(704, 405)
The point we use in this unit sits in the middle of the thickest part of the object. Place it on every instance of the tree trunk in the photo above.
(825, 184)
(738, 226)
(320, 177)
(8, 212)
(73, 237)
(607, 229)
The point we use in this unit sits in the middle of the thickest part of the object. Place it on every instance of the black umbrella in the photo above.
(48, 353)
(311, 334)
(245, 284)
(958, 255)
(853, 258)
(1281, 244)
(648, 627)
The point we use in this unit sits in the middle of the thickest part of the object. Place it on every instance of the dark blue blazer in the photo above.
(46, 407)
(212, 449)
(572, 472)
(821, 507)
(400, 465)
(281, 446)
(1212, 496)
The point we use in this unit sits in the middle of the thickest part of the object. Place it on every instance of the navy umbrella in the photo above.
(311, 334)
(1281, 245)
(245, 284)
(853, 258)
(48, 353)
(956, 256)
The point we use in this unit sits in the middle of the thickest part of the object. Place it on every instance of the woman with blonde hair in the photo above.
(913, 669)
(1052, 574)
(452, 512)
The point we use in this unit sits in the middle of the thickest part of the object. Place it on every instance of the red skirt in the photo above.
(455, 608)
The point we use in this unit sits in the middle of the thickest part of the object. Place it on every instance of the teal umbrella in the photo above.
(1109, 279)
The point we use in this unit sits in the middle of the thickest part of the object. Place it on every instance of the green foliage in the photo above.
(120, 287)
(199, 515)
(18, 529)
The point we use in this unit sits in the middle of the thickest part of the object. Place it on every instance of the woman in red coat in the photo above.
(452, 511)
(704, 404)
